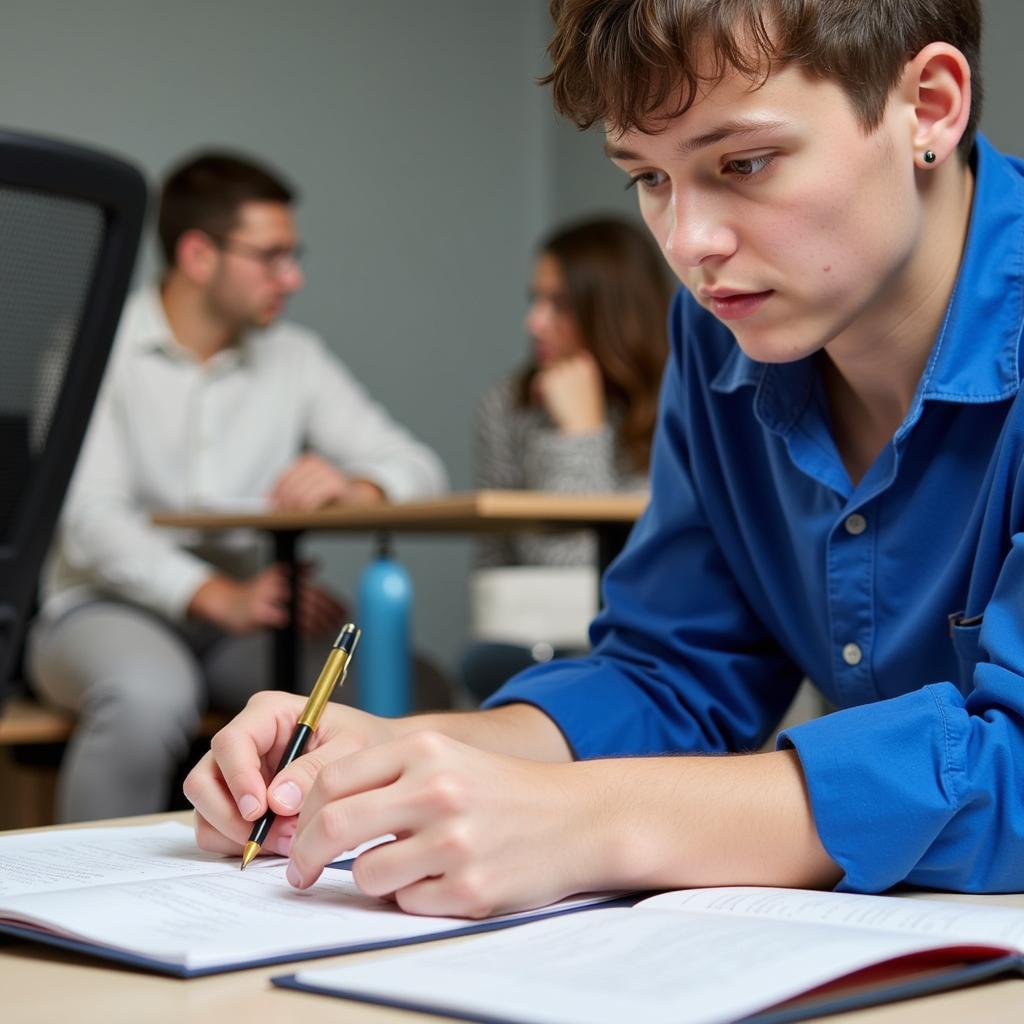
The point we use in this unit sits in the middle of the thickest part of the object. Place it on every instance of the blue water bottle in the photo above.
(385, 650)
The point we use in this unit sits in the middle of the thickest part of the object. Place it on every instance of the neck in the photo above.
(194, 325)
(871, 372)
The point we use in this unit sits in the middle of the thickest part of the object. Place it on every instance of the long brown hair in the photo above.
(618, 290)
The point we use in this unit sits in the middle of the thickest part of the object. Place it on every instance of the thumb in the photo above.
(288, 789)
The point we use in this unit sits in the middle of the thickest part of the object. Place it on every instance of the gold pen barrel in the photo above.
(334, 669)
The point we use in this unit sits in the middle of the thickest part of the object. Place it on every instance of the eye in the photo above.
(749, 166)
(647, 180)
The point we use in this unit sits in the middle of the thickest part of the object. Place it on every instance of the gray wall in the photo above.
(428, 159)
(419, 142)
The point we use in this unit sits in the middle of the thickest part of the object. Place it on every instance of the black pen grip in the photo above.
(298, 743)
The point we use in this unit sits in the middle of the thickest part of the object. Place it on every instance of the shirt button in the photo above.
(856, 524)
(852, 654)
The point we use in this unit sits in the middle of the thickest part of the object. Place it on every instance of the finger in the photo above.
(465, 894)
(211, 840)
(237, 752)
(289, 788)
(281, 485)
(317, 489)
(331, 822)
(272, 614)
(319, 614)
(390, 867)
(291, 487)
(341, 825)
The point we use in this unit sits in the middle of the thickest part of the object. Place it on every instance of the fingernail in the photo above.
(288, 795)
(294, 878)
(249, 806)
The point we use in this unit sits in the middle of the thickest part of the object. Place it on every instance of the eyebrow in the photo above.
(727, 130)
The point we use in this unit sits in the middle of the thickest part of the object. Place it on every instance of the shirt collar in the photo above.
(151, 332)
(975, 356)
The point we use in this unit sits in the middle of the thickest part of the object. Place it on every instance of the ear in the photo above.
(938, 87)
(196, 256)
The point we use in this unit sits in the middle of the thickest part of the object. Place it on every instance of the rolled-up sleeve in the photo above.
(928, 788)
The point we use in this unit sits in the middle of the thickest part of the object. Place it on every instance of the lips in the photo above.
(734, 305)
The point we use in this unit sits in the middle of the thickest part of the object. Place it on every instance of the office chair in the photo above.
(70, 222)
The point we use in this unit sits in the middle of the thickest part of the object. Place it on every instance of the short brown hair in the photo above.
(207, 190)
(618, 290)
(622, 61)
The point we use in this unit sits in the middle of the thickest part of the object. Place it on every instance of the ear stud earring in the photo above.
(929, 156)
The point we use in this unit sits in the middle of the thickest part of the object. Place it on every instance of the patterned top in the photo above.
(521, 449)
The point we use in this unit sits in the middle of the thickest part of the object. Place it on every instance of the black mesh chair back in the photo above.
(70, 222)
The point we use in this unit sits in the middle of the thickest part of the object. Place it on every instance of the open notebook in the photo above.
(146, 896)
(700, 956)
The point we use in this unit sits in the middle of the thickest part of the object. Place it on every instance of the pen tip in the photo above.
(250, 851)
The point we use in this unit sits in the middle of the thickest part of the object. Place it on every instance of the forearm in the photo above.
(519, 730)
(669, 823)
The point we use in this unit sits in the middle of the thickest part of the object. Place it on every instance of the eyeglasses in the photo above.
(275, 260)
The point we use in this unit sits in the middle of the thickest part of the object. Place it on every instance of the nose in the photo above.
(536, 319)
(292, 277)
(696, 232)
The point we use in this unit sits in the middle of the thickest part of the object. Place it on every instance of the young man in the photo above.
(836, 492)
(210, 398)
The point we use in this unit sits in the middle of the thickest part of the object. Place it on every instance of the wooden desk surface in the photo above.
(40, 985)
(471, 512)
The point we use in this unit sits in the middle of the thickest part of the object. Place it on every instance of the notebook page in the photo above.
(227, 917)
(951, 922)
(610, 966)
(54, 861)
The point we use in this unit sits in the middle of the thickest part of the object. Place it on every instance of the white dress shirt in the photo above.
(170, 432)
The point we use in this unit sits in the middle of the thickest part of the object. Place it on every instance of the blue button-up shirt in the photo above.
(758, 562)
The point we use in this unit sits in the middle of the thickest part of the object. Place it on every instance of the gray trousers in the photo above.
(139, 685)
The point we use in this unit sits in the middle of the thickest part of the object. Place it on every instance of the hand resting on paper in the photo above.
(503, 824)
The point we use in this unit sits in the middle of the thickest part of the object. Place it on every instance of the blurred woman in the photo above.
(579, 418)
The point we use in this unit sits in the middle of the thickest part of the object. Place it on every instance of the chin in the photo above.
(773, 347)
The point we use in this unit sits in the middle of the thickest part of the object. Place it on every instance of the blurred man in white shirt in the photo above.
(210, 400)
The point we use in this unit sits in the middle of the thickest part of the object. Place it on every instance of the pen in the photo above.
(331, 674)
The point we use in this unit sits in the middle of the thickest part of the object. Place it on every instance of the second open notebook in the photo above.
(145, 895)
(700, 956)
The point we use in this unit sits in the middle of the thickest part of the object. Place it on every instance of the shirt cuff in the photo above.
(569, 691)
(400, 483)
(881, 782)
(176, 586)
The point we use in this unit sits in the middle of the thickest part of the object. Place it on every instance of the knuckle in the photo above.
(331, 775)
(334, 825)
(469, 894)
(222, 740)
(446, 793)
(259, 699)
(192, 786)
(454, 843)
(427, 744)
(369, 876)
(309, 768)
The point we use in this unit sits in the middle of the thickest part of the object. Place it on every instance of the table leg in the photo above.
(286, 639)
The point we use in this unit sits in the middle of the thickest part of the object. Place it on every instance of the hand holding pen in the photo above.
(332, 674)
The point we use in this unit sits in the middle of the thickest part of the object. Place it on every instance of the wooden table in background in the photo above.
(43, 985)
(610, 516)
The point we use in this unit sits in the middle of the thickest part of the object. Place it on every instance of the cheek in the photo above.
(566, 334)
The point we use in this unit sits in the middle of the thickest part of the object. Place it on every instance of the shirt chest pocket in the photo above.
(966, 636)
